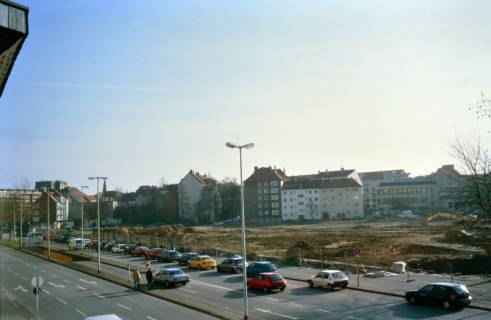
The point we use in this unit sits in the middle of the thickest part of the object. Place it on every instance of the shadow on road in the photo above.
(306, 291)
(407, 311)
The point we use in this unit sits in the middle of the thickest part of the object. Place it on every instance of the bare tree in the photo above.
(475, 161)
(482, 107)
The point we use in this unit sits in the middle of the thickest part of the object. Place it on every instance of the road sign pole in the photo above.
(37, 303)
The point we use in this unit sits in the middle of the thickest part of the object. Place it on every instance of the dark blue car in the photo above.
(255, 268)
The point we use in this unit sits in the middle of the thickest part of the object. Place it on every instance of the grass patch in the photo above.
(10, 243)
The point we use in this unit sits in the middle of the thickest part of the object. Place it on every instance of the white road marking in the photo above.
(19, 287)
(34, 267)
(324, 310)
(87, 281)
(54, 276)
(354, 318)
(98, 295)
(276, 314)
(213, 286)
(188, 290)
(124, 306)
(56, 285)
(61, 300)
(81, 288)
(44, 290)
(296, 305)
(67, 281)
(150, 318)
(43, 271)
(272, 299)
(81, 313)
(24, 278)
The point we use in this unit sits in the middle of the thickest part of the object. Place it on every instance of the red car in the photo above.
(267, 281)
(153, 253)
(139, 251)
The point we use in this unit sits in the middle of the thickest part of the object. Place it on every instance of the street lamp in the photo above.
(82, 218)
(49, 227)
(98, 224)
(242, 218)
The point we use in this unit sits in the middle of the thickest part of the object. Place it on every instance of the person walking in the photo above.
(136, 279)
(149, 276)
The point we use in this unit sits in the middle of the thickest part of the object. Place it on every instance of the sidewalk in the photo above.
(480, 287)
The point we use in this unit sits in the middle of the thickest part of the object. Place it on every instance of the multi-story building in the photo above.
(300, 200)
(341, 198)
(262, 195)
(371, 183)
(452, 193)
(58, 185)
(198, 199)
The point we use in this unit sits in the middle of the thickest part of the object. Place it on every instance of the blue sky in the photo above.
(140, 90)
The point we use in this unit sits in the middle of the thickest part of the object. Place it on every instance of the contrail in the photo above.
(110, 87)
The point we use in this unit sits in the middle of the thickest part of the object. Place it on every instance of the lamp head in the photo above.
(231, 145)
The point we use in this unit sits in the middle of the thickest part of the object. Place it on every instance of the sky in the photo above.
(141, 91)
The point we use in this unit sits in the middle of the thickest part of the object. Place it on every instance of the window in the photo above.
(300, 195)
(260, 213)
(274, 190)
(259, 198)
(301, 203)
(275, 205)
(260, 205)
(259, 190)
(265, 190)
(274, 183)
(259, 184)
(274, 197)
(275, 212)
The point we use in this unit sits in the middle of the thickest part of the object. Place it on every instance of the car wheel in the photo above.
(265, 289)
(311, 284)
(166, 284)
(219, 269)
(446, 305)
(411, 300)
(282, 288)
(330, 287)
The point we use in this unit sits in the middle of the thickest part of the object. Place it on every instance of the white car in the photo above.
(77, 243)
(329, 279)
(119, 248)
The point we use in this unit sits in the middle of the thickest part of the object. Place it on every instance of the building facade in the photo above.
(58, 185)
(262, 196)
(198, 199)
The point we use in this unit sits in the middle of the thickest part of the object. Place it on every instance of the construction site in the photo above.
(440, 244)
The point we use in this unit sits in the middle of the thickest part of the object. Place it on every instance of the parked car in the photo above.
(255, 268)
(329, 279)
(109, 245)
(139, 251)
(93, 244)
(202, 262)
(119, 248)
(169, 256)
(78, 243)
(231, 265)
(267, 281)
(153, 253)
(185, 257)
(444, 294)
(129, 248)
(171, 277)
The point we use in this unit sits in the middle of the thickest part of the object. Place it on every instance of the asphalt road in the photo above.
(68, 294)
(297, 302)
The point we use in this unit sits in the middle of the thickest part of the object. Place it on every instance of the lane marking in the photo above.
(61, 300)
(43, 271)
(324, 310)
(272, 299)
(150, 318)
(124, 306)
(34, 267)
(66, 281)
(19, 287)
(44, 290)
(98, 295)
(188, 290)
(276, 314)
(87, 281)
(54, 276)
(24, 278)
(56, 285)
(296, 304)
(81, 313)
(81, 288)
(354, 318)
(213, 286)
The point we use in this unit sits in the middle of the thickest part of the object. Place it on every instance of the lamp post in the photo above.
(242, 218)
(82, 218)
(98, 224)
(49, 226)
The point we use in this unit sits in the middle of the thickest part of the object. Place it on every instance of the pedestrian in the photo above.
(147, 266)
(149, 275)
(136, 279)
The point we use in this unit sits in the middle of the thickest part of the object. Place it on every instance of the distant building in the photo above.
(13, 32)
(58, 185)
(453, 195)
(58, 210)
(371, 184)
(262, 196)
(300, 200)
(198, 199)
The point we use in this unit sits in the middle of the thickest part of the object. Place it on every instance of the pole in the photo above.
(244, 253)
(98, 232)
(129, 273)
(15, 233)
(357, 273)
(21, 224)
(82, 224)
(37, 302)
(49, 227)
(322, 258)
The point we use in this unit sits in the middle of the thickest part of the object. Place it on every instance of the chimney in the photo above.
(255, 168)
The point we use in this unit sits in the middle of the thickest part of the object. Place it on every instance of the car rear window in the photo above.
(461, 290)
(268, 267)
(175, 272)
(338, 275)
(276, 277)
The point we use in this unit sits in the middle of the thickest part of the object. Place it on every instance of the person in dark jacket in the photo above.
(149, 276)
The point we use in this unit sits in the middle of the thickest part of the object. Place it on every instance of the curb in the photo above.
(386, 293)
(211, 310)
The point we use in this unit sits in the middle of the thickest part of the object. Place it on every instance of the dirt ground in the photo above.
(381, 243)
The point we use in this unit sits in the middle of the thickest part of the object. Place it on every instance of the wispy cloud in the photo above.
(108, 87)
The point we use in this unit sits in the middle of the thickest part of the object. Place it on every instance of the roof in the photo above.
(171, 269)
(378, 175)
(330, 271)
(263, 262)
(343, 173)
(266, 174)
(447, 284)
(340, 183)
(301, 183)
(202, 178)
(78, 195)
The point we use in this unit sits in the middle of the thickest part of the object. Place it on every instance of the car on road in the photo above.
(255, 268)
(267, 282)
(329, 279)
(444, 294)
(78, 243)
(139, 251)
(108, 245)
(129, 248)
(119, 248)
(153, 253)
(185, 257)
(171, 277)
(202, 262)
(168, 256)
(231, 265)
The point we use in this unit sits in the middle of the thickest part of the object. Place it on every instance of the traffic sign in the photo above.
(356, 251)
(37, 281)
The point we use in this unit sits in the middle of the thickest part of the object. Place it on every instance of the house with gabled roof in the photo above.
(198, 198)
